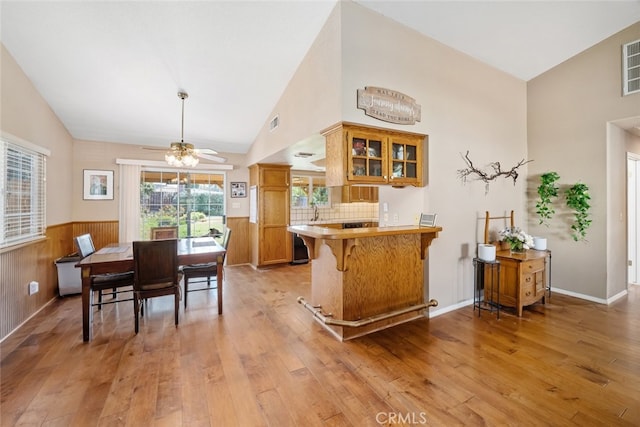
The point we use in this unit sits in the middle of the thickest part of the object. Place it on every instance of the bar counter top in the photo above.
(320, 232)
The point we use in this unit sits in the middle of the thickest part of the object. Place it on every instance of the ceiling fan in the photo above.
(185, 154)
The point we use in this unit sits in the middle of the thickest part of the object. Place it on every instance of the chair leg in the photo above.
(186, 290)
(136, 307)
(219, 286)
(177, 304)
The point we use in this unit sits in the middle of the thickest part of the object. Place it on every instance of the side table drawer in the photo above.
(533, 265)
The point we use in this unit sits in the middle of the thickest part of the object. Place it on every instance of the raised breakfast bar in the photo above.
(366, 279)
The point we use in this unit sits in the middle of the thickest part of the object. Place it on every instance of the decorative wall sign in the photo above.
(388, 105)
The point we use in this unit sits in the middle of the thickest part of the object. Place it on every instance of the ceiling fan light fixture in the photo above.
(182, 153)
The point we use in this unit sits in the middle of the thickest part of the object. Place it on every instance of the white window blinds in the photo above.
(22, 193)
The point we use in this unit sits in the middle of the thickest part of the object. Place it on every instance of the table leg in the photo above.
(86, 295)
(220, 281)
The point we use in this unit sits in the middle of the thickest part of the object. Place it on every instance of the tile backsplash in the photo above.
(339, 212)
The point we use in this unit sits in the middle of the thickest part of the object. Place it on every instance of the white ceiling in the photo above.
(111, 70)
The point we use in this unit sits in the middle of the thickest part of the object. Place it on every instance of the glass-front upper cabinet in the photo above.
(358, 154)
(366, 157)
(404, 157)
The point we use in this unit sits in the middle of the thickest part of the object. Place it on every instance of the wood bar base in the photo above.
(367, 273)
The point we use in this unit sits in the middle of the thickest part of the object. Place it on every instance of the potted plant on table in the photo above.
(518, 240)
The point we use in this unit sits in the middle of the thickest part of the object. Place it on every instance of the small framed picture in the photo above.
(97, 185)
(238, 189)
(428, 220)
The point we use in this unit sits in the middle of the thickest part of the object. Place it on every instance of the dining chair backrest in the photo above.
(168, 232)
(155, 264)
(225, 239)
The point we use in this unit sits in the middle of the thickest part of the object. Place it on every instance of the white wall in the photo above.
(25, 114)
(569, 108)
(311, 101)
(466, 105)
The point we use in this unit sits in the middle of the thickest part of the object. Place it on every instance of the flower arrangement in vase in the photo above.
(518, 240)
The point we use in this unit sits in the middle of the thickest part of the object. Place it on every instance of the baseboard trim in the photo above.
(27, 319)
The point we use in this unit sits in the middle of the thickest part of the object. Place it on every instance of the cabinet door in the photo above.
(274, 177)
(366, 157)
(274, 239)
(276, 245)
(405, 161)
(357, 193)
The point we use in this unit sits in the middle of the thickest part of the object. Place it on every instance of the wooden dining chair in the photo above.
(115, 283)
(155, 274)
(205, 271)
(165, 232)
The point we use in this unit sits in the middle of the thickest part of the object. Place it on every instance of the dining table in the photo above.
(118, 258)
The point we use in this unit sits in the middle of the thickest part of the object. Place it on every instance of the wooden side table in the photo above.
(483, 270)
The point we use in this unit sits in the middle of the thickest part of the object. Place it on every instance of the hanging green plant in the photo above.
(578, 199)
(547, 190)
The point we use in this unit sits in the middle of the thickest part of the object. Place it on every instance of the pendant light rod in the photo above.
(182, 95)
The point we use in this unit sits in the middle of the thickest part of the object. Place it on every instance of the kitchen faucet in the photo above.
(315, 213)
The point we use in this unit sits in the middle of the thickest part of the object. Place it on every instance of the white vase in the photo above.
(486, 252)
(540, 243)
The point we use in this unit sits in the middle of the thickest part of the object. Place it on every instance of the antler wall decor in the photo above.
(471, 170)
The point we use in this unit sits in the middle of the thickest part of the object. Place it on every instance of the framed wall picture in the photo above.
(97, 185)
(238, 189)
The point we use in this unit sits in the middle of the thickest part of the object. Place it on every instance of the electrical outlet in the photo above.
(395, 217)
(34, 287)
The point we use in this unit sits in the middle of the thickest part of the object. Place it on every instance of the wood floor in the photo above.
(265, 361)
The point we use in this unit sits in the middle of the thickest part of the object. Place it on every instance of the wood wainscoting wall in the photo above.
(36, 262)
(102, 232)
(31, 262)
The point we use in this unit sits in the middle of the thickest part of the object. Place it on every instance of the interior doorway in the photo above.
(633, 220)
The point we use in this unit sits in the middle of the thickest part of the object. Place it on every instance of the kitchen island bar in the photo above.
(366, 279)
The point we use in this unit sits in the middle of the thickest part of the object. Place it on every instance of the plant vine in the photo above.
(547, 190)
(578, 198)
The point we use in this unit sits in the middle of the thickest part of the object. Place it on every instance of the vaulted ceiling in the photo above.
(111, 70)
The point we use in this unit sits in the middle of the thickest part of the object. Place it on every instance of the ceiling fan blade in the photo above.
(211, 157)
(154, 148)
(205, 151)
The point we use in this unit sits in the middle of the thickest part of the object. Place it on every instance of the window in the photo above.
(631, 67)
(23, 191)
(309, 191)
(192, 201)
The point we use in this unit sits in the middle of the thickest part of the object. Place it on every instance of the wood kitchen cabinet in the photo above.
(271, 242)
(358, 154)
(523, 279)
(357, 193)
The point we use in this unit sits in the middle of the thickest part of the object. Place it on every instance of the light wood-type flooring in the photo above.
(266, 362)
